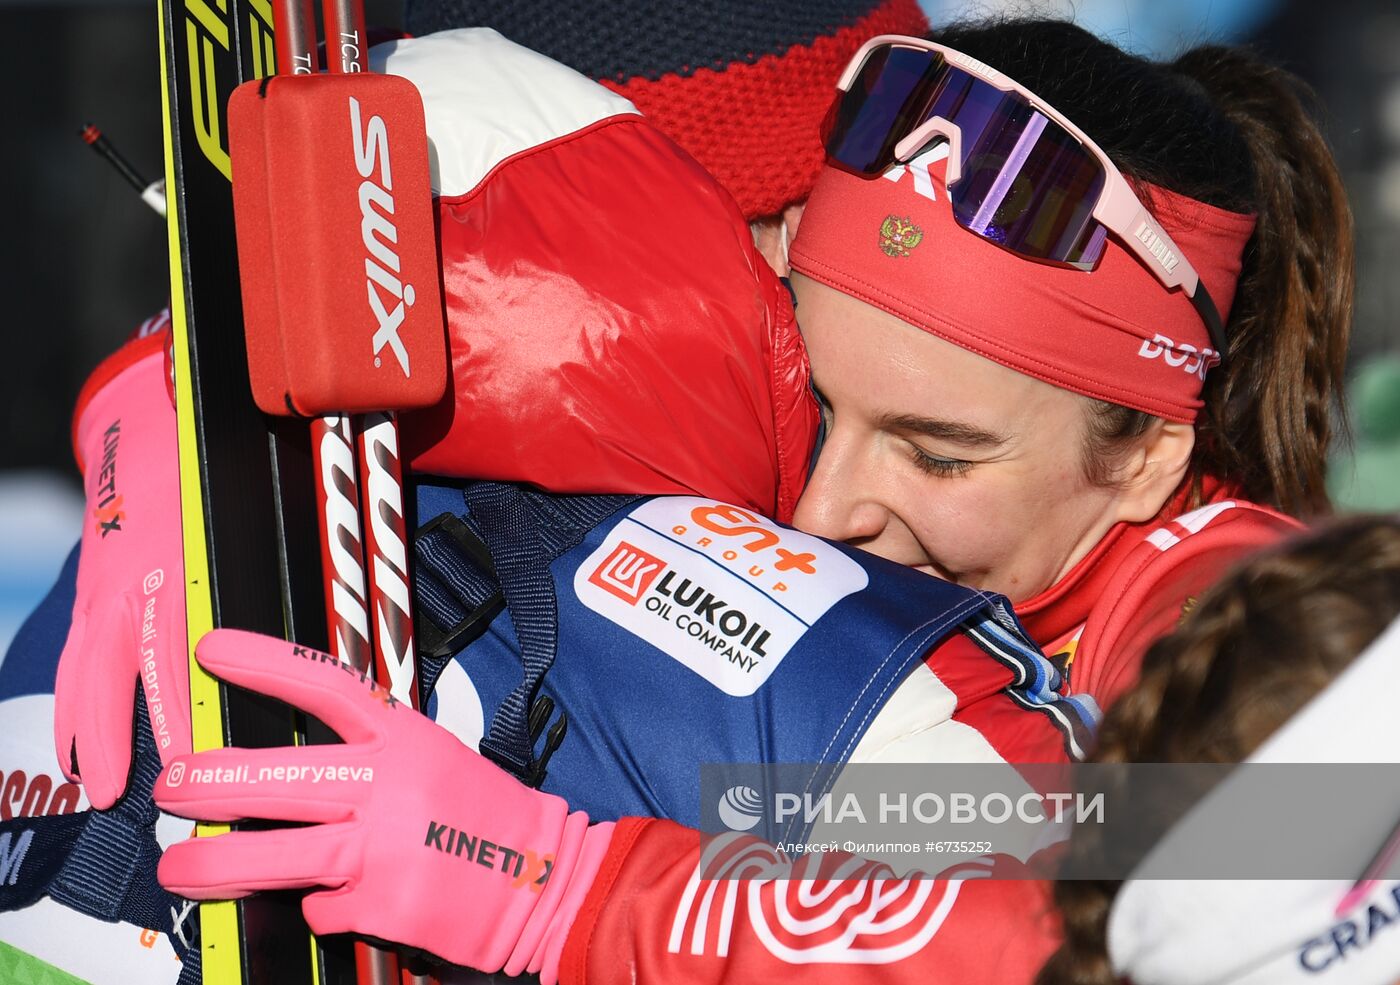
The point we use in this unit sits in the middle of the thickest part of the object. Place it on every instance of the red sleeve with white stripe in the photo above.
(650, 918)
(1158, 581)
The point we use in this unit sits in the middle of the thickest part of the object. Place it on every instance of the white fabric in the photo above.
(486, 99)
(916, 726)
(1188, 932)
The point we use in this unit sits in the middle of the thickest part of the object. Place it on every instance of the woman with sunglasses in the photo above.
(1078, 333)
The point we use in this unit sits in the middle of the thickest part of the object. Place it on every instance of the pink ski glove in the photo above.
(416, 838)
(129, 612)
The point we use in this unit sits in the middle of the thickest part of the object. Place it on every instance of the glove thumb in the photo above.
(104, 734)
(335, 911)
(67, 701)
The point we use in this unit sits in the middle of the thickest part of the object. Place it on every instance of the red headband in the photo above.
(1114, 334)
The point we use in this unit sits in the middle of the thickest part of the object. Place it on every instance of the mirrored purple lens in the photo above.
(889, 97)
(1026, 183)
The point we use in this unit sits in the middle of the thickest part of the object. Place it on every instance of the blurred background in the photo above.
(84, 259)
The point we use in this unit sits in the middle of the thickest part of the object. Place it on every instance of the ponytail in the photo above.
(1267, 420)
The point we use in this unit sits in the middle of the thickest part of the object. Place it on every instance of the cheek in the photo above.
(969, 524)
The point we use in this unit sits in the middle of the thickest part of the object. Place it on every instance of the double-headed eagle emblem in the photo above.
(898, 236)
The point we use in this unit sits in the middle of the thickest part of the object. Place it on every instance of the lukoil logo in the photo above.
(627, 572)
(715, 587)
(740, 808)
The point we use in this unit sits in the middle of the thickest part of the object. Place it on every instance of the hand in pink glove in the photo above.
(415, 837)
(129, 612)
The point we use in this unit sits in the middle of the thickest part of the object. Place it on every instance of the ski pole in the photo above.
(337, 494)
(152, 192)
(381, 486)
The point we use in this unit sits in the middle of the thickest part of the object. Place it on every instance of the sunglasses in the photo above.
(1019, 174)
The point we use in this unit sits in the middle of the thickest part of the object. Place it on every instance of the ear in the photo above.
(1154, 470)
(774, 233)
(792, 218)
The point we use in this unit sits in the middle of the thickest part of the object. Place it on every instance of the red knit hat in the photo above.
(742, 86)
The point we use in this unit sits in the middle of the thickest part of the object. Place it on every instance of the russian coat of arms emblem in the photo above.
(898, 236)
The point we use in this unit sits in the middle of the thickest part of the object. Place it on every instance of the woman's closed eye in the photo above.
(937, 465)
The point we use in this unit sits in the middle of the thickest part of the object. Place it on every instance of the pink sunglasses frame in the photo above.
(1118, 208)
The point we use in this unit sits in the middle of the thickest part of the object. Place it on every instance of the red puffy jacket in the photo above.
(612, 327)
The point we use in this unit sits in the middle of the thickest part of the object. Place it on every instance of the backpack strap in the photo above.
(498, 556)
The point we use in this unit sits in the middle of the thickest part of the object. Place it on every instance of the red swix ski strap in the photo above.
(336, 244)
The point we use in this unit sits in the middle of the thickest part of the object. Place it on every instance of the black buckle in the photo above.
(433, 641)
(539, 717)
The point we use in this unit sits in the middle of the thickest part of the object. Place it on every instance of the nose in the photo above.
(839, 501)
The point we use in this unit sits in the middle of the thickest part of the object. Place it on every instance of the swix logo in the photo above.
(108, 510)
(918, 167)
(1157, 246)
(379, 235)
(862, 916)
(30, 795)
(627, 572)
(1180, 354)
(525, 868)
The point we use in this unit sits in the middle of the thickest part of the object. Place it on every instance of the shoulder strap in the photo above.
(523, 532)
(1037, 684)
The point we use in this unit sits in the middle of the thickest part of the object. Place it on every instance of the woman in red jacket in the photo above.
(1094, 419)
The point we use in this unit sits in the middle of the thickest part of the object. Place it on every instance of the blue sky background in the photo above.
(1158, 28)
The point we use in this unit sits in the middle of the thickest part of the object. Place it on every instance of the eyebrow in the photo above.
(967, 435)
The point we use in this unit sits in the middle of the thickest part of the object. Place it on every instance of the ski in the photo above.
(247, 489)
